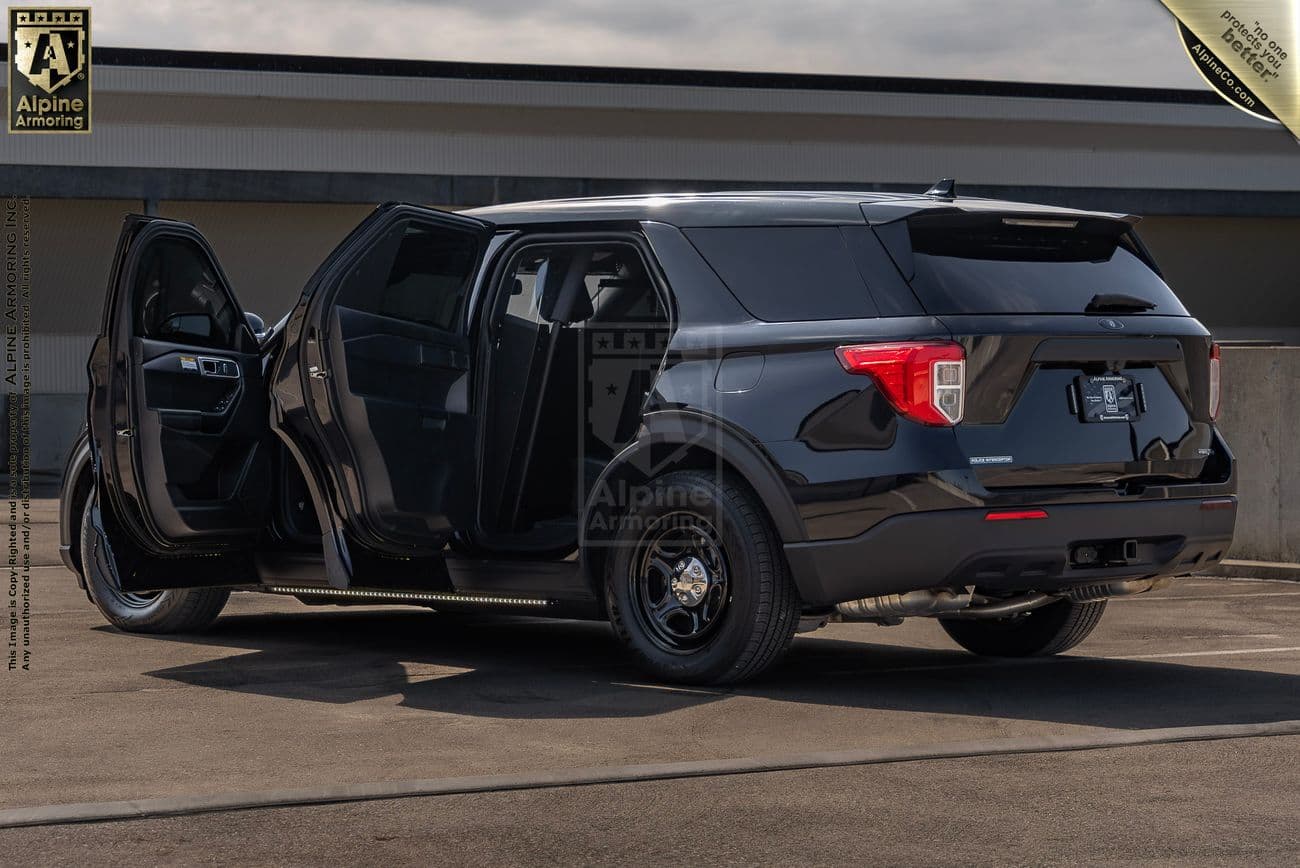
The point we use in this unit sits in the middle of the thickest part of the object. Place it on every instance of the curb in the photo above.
(175, 806)
(1271, 570)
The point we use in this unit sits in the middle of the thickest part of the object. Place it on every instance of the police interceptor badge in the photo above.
(49, 70)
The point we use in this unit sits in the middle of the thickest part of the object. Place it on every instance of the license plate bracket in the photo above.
(1107, 398)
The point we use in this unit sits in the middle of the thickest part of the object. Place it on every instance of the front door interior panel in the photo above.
(202, 440)
(190, 428)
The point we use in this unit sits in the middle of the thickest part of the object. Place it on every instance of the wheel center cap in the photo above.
(691, 581)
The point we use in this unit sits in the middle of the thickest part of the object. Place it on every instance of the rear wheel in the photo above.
(1050, 629)
(697, 585)
(180, 610)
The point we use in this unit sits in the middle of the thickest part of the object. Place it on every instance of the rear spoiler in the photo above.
(887, 211)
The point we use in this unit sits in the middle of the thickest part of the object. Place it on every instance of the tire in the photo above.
(1040, 632)
(734, 623)
(180, 610)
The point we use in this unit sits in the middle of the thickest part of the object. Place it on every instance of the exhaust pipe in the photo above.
(894, 606)
(1003, 608)
(948, 603)
(1106, 590)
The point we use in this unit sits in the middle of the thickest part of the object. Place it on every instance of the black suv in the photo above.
(714, 420)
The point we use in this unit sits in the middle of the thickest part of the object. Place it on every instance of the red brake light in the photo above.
(1216, 391)
(1014, 514)
(923, 380)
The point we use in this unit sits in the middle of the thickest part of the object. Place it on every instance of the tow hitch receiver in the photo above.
(1106, 553)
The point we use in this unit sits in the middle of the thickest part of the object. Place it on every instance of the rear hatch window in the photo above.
(997, 264)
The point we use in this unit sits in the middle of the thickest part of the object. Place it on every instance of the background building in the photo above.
(275, 158)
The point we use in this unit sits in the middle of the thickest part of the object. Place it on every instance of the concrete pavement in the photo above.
(281, 695)
(1218, 803)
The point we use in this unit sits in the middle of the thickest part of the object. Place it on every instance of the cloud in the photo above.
(1124, 42)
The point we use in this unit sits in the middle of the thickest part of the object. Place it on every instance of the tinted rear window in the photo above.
(993, 264)
(787, 273)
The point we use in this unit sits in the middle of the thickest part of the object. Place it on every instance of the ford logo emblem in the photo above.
(1112, 324)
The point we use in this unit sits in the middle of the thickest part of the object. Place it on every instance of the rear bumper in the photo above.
(959, 547)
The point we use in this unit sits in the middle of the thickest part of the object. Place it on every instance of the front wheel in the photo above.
(1048, 630)
(180, 610)
(697, 585)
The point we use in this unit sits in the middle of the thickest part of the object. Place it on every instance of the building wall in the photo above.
(1238, 275)
(72, 251)
(268, 249)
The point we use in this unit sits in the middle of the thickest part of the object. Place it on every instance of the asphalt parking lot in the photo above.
(280, 696)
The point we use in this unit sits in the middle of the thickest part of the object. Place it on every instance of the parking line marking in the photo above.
(1142, 598)
(983, 663)
(1196, 653)
(1139, 598)
(174, 806)
(672, 688)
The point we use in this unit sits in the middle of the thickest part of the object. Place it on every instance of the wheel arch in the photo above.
(683, 440)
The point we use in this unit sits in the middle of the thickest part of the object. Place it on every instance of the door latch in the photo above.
(125, 432)
(317, 373)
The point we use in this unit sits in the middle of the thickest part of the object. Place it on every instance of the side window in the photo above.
(179, 298)
(787, 273)
(525, 288)
(620, 289)
(416, 272)
(581, 283)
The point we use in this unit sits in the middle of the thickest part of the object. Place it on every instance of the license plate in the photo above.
(1109, 398)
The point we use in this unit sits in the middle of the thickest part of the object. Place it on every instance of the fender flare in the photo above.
(674, 431)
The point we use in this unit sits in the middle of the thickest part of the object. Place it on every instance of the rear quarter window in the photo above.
(976, 264)
(787, 273)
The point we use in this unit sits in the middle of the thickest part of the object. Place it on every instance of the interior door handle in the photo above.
(212, 367)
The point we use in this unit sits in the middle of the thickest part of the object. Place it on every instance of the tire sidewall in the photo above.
(156, 616)
(1049, 630)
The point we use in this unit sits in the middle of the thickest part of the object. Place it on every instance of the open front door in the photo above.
(372, 395)
(178, 417)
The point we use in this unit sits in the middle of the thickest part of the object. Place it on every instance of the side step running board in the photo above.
(406, 596)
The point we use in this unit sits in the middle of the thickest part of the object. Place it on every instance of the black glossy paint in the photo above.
(181, 455)
(352, 468)
(826, 454)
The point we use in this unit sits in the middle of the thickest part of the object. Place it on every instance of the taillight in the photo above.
(924, 380)
(1216, 392)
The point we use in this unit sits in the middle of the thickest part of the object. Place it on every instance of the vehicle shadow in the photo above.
(519, 668)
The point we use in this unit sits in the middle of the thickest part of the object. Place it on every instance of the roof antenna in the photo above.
(945, 189)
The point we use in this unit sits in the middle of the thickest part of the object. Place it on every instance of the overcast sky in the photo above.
(1126, 42)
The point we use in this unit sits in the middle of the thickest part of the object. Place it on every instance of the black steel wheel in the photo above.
(680, 582)
(696, 585)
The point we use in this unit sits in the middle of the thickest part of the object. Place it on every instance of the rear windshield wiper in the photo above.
(1108, 302)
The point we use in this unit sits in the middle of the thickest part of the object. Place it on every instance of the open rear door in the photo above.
(178, 417)
(372, 395)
